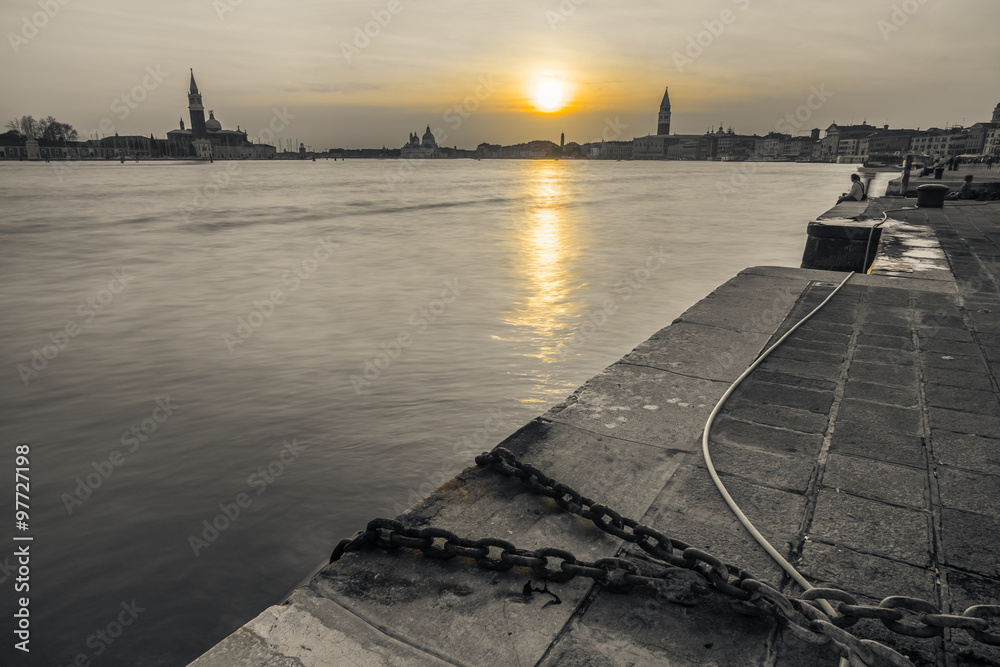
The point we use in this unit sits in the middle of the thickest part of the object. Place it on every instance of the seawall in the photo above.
(865, 448)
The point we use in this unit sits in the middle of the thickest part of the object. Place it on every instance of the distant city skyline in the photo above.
(485, 72)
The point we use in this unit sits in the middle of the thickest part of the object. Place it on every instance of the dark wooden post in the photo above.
(907, 165)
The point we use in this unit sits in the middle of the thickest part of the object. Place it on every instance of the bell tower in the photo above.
(663, 119)
(197, 110)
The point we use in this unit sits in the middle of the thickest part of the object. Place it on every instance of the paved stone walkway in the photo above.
(867, 449)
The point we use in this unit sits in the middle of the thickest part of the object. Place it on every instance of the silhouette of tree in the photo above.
(27, 127)
(55, 131)
(47, 128)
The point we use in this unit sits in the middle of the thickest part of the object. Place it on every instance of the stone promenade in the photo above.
(866, 449)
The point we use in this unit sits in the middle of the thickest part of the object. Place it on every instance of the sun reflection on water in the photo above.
(546, 244)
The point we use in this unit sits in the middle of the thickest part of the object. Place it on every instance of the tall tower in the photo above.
(996, 114)
(197, 111)
(562, 139)
(663, 120)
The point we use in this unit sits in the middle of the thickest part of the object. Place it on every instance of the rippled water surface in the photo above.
(321, 338)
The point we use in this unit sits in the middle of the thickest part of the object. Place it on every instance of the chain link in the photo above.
(801, 615)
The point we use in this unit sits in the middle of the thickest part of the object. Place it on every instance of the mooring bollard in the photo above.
(931, 195)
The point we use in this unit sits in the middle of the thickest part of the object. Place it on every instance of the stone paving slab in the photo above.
(970, 491)
(877, 480)
(653, 629)
(966, 590)
(691, 509)
(680, 348)
(738, 432)
(871, 392)
(872, 527)
(968, 452)
(970, 542)
(868, 441)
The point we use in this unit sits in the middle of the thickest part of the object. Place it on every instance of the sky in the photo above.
(366, 73)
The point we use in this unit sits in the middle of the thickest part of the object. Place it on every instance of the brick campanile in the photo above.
(663, 120)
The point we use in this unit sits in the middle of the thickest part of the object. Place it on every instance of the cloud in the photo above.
(345, 87)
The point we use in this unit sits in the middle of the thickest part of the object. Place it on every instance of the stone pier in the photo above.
(866, 449)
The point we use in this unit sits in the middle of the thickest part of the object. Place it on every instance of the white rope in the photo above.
(785, 565)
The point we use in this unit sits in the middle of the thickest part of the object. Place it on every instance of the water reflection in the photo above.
(546, 245)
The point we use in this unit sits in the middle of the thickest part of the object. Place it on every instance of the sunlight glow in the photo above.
(550, 95)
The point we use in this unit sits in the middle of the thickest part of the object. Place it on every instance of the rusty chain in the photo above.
(801, 614)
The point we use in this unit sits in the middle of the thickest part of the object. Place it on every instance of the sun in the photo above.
(550, 95)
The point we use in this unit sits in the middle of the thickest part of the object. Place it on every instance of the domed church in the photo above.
(421, 147)
(206, 138)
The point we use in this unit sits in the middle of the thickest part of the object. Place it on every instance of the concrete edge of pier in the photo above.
(867, 449)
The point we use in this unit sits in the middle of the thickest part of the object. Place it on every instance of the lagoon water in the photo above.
(312, 345)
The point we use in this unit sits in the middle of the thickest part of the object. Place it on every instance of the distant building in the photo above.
(611, 150)
(421, 147)
(692, 147)
(206, 138)
(650, 147)
(355, 153)
(887, 142)
(991, 142)
(487, 151)
(938, 143)
(835, 134)
(732, 146)
(797, 149)
(540, 148)
(770, 148)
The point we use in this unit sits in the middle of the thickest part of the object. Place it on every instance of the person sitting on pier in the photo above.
(966, 191)
(857, 192)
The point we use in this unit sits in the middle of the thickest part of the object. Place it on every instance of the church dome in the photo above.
(211, 124)
(428, 138)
